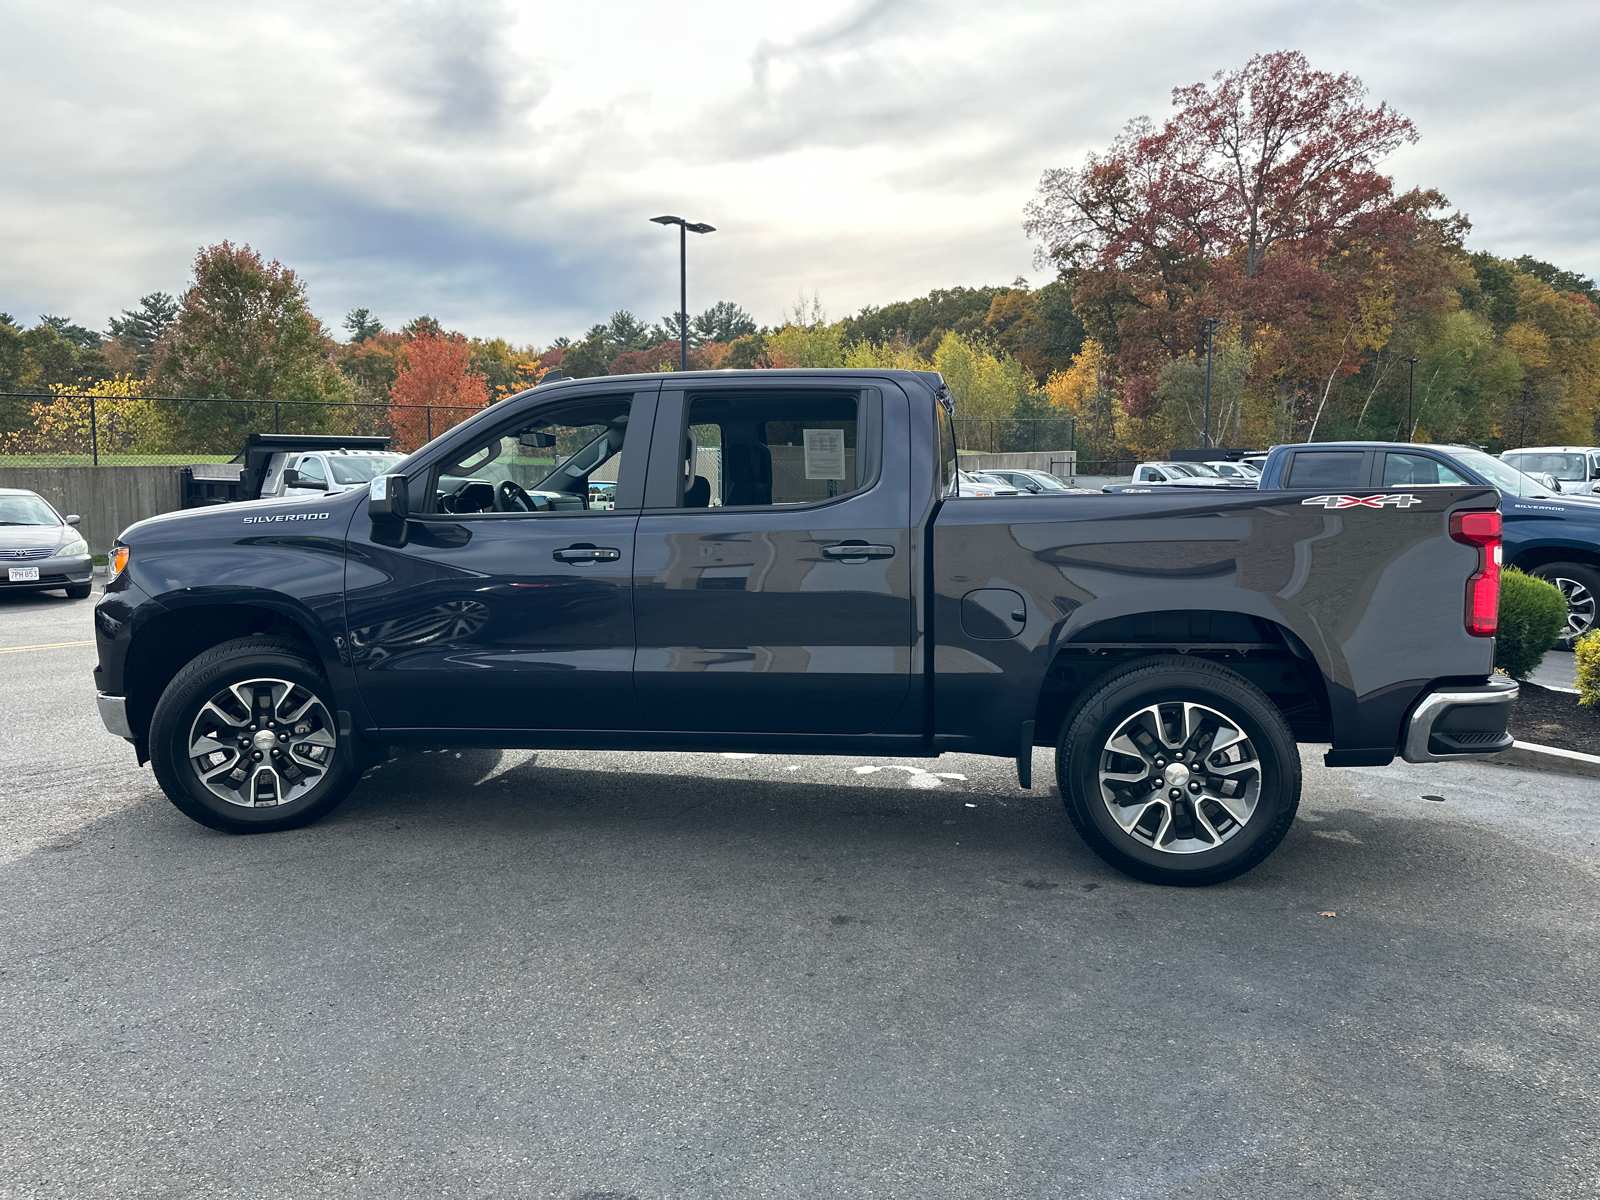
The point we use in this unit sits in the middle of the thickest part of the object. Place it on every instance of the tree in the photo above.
(83, 339)
(139, 329)
(361, 324)
(437, 388)
(722, 322)
(244, 333)
(420, 326)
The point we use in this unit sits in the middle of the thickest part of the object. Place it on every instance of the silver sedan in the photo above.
(39, 548)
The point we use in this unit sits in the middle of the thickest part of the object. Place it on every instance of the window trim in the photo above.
(664, 483)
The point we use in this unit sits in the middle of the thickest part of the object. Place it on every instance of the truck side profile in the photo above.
(786, 566)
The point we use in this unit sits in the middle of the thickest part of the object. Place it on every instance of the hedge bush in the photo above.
(1588, 652)
(1532, 615)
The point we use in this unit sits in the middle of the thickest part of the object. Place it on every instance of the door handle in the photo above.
(586, 554)
(857, 551)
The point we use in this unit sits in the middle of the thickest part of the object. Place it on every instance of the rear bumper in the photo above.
(1460, 722)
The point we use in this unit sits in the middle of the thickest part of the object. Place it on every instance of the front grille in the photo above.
(19, 554)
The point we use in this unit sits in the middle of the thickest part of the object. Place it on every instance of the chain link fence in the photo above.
(97, 429)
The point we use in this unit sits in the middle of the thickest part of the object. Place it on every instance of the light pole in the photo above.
(685, 228)
(1211, 324)
(1411, 388)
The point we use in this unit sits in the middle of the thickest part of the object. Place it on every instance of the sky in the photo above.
(495, 164)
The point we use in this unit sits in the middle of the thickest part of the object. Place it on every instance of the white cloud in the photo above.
(494, 163)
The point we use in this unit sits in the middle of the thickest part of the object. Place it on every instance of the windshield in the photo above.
(363, 469)
(1569, 468)
(1504, 476)
(26, 510)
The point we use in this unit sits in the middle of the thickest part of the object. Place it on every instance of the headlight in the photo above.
(76, 547)
(119, 559)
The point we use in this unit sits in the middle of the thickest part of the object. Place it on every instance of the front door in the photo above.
(772, 574)
(507, 604)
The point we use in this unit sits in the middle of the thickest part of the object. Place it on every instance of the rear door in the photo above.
(773, 585)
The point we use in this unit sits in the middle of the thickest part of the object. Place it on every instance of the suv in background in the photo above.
(1575, 468)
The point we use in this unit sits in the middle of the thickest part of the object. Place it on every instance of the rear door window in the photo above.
(778, 449)
(1327, 469)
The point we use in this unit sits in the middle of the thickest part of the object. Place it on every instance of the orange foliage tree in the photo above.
(437, 388)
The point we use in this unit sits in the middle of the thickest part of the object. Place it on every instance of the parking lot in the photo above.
(568, 975)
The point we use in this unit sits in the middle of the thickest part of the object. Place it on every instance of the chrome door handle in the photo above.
(586, 554)
(858, 551)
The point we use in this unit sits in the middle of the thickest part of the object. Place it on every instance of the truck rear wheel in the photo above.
(1580, 585)
(1178, 771)
(245, 740)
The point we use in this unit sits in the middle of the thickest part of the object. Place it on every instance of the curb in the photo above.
(1547, 758)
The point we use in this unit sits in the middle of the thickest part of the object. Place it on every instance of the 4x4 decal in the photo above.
(1391, 500)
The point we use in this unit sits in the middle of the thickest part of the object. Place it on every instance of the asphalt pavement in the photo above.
(598, 976)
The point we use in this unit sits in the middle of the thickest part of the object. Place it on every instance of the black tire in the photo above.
(210, 676)
(1231, 831)
(1580, 584)
(79, 591)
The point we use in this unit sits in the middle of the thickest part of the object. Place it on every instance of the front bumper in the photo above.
(114, 714)
(1460, 722)
(55, 571)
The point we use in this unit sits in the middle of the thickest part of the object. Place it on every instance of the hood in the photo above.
(18, 537)
(314, 512)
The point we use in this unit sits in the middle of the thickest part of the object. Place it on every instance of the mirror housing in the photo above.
(73, 519)
(389, 498)
(293, 478)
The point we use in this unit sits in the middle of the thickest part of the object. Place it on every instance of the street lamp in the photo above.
(1411, 387)
(1211, 324)
(684, 229)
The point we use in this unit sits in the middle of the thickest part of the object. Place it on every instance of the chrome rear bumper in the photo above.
(1461, 722)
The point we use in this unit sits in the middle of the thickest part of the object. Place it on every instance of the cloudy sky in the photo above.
(494, 162)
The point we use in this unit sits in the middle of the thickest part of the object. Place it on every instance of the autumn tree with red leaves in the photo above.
(437, 388)
(1259, 201)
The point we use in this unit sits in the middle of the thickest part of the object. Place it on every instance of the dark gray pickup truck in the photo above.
(783, 564)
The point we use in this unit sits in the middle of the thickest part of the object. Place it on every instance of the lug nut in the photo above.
(256, 756)
(1174, 793)
(1194, 785)
(283, 737)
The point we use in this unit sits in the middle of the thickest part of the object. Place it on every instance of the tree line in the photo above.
(1257, 213)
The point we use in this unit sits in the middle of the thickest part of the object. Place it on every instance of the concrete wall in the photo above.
(1035, 460)
(109, 499)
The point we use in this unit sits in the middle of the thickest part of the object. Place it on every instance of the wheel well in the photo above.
(1264, 652)
(174, 638)
(1538, 556)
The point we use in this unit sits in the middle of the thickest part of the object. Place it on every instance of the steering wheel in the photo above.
(509, 497)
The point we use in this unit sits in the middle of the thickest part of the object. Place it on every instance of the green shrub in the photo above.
(1588, 653)
(1532, 615)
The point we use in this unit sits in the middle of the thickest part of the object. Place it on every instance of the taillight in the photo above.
(1481, 529)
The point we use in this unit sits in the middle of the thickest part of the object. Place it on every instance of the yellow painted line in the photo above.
(45, 646)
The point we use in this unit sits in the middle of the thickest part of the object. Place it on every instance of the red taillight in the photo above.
(1481, 529)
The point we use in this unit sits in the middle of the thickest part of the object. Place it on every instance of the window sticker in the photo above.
(824, 453)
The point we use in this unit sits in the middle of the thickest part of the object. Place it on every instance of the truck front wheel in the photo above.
(1176, 770)
(244, 739)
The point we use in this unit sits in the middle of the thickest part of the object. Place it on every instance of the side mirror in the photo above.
(388, 498)
(293, 478)
(73, 519)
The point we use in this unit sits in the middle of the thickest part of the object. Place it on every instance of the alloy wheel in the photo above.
(1580, 607)
(1182, 778)
(262, 742)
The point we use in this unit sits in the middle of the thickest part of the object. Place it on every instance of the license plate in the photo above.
(24, 574)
